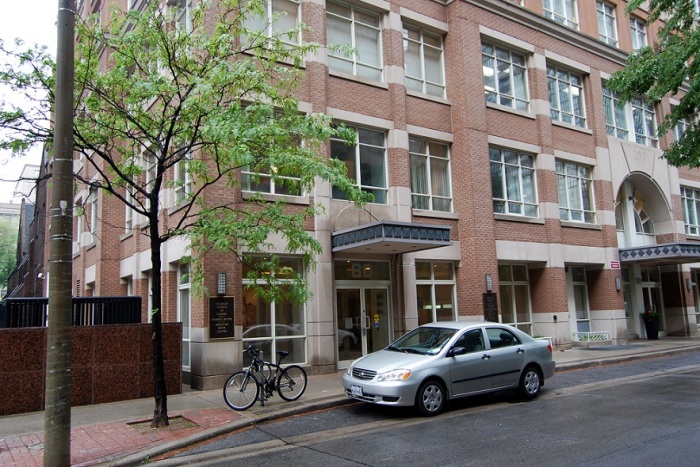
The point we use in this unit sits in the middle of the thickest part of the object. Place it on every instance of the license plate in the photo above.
(356, 391)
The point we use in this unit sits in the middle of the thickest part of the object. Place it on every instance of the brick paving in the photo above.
(103, 442)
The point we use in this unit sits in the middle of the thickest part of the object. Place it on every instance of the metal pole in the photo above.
(59, 345)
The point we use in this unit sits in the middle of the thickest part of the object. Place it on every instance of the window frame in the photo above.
(503, 179)
(425, 84)
(691, 207)
(638, 31)
(428, 160)
(269, 26)
(608, 18)
(556, 81)
(565, 183)
(183, 16)
(564, 12)
(94, 221)
(182, 179)
(433, 283)
(510, 283)
(353, 58)
(521, 103)
(627, 112)
(184, 292)
(357, 173)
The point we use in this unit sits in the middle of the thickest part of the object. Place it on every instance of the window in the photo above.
(644, 118)
(366, 163)
(128, 212)
(607, 28)
(359, 30)
(273, 326)
(423, 61)
(79, 227)
(285, 26)
(513, 182)
(640, 112)
(639, 33)
(575, 186)
(681, 127)
(183, 311)
(561, 11)
(435, 288)
(430, 175)
(262, 181)
(183, 15)
(505, 77)
(92, 201)
(515, 296)
(690, 198)
(151, 174)
(566, 96)
(183, 179)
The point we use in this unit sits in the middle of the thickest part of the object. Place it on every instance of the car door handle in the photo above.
(519, 351)
(485, 356)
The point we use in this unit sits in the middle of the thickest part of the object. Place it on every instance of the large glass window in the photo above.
(639, 33)
(638, 111)
(285, 24)
(691, 210)
(580, 289)
(681, 127)
(359, 32)
(430, 175)
(92, 201)
(566, 96)
(575, 187)
(515, 296)
(435, 288)
(505, 76)
(183, 180)
(423, 61)
(262, 181)
(607, 27)
(513, 184)
(561, 11)
(366, 163)
(276, 325)
(183, 15)
(128, 212)
(183, 311)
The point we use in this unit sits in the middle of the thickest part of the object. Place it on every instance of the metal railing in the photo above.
(597, 336)
(87, 311)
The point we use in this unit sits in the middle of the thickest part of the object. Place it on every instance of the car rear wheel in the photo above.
(530, 382)
(431, 398)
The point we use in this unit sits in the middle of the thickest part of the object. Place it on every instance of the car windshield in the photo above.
(423, 340)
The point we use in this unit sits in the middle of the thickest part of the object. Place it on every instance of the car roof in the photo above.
(460, 324)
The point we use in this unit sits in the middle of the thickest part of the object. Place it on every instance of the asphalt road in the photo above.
(630, 414)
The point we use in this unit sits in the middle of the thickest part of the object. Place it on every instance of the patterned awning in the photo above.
(390, 238)
(664, 253)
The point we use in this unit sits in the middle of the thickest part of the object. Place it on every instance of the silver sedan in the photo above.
(437, 362)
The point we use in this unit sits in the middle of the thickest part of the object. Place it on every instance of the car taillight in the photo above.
(549, 347)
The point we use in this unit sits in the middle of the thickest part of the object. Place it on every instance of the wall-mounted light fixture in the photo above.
(489, 283)
(221, 283)
(689, 283)
(618, 283)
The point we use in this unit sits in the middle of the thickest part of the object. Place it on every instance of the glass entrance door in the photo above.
(363, 321)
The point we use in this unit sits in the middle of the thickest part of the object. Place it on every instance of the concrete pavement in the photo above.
(118, 434)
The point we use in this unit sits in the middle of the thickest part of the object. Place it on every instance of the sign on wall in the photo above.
(490, 307)
(220, 317)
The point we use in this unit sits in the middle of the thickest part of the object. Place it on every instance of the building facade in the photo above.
(508, 184)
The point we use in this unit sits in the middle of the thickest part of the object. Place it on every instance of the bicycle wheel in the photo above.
(292, 383)
(241, 390)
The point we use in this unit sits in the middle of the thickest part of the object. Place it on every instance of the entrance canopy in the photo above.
(664, 253)
(387, 237)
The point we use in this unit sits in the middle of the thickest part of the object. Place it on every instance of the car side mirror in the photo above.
(454, 351)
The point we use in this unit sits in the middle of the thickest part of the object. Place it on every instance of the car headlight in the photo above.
(348, 370)
(394, 375)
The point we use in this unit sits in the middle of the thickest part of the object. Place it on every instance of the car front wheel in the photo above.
(431, 398)
(530, 383)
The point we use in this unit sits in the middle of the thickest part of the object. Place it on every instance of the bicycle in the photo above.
(243, 388)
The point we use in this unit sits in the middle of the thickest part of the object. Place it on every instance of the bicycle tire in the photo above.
(292, 383)
(241, 390)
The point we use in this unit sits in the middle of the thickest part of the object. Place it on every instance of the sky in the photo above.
(34, 21)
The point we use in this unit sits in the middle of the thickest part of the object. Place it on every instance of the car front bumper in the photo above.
(395, 393)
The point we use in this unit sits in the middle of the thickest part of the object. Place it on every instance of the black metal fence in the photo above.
(33, 312)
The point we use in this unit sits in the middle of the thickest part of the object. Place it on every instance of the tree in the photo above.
(669, 67)
(8, 250)
(156, 94)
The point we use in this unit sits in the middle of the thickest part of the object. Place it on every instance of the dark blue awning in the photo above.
(664, 253)
(387, 237)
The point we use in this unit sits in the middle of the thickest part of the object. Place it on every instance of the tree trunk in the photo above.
(160, 413)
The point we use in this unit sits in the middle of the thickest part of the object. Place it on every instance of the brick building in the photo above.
(507, 184)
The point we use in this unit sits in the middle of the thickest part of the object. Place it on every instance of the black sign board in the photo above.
(491, 307)
(220, 317)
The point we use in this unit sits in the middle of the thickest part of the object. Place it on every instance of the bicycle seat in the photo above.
(282, 353)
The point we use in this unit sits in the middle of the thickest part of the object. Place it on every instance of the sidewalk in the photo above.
(118, 433)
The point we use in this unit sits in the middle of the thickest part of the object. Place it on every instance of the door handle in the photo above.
(485, 356)
(519, 351)
(367, 323)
